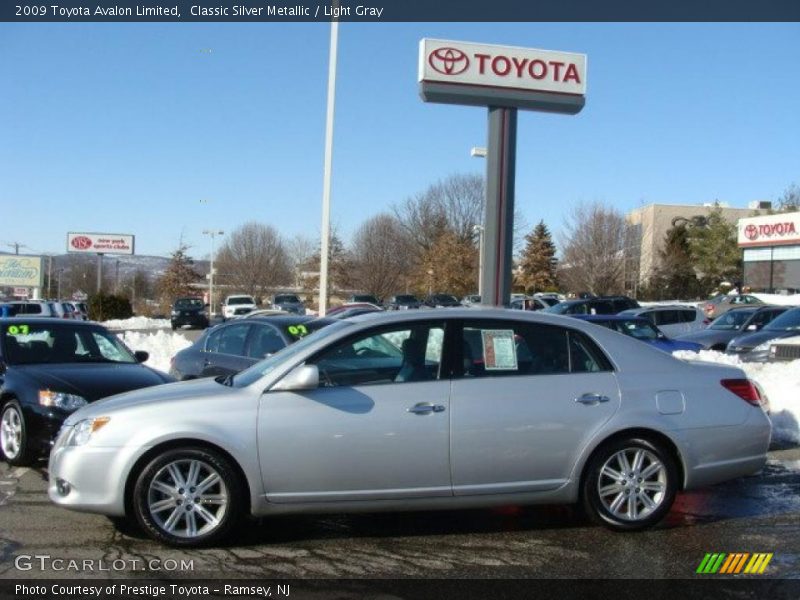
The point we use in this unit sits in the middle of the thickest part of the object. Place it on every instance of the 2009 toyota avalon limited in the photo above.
(417, 410)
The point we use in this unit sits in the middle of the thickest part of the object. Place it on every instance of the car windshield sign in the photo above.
(264, 367)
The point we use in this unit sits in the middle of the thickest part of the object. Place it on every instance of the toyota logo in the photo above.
(81, 242)
(448, 61)
(751, 232)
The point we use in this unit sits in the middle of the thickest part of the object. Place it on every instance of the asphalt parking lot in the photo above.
(754, 514)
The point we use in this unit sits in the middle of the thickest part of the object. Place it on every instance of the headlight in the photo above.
(764, 347)
(61, 400)
(83, 430)
(175, 313)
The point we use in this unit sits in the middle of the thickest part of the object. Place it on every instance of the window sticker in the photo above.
(297, 331)
(18, 329)
(499, 350)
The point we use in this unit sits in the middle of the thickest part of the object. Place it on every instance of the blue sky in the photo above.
(125, 128)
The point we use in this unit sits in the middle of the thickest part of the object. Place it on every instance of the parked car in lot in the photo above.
(237, 305)
(83, 309)
(441, 301)
(363, 298)
(641, 329)
(189, 311)
(672, 320)
(290, 303)
(232, 347)
(403, 302)
(549, 298)
(722, 303)
(731, 324)
(350, 310)
(529, 303)
(602, 305)
(755, 346)
(785, 350)
(32, 309)
(471, 300)
(51, 367)
(414, 410)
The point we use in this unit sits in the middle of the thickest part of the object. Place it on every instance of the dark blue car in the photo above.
(641, 329)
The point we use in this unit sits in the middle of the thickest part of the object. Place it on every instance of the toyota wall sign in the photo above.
(506, 76)
(100, 243)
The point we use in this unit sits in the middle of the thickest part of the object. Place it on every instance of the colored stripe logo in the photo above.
(720, 563)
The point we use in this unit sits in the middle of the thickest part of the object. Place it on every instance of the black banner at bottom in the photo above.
(405, 589)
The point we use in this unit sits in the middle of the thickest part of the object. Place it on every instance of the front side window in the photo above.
(264, 340)
(405, 353)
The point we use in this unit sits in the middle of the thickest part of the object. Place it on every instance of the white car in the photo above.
(235, 306)
(672, 320)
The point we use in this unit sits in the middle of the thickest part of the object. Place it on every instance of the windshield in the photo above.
(405, 299)
(559, 309)
(287, 298)
(240, 300)
(788, 321)
(731, 321)
(637, 328)
(32, 343)
(189, 303)
(261, 368)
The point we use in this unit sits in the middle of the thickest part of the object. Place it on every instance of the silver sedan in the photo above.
(417, 410)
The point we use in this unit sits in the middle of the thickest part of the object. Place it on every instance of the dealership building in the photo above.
(771, 252)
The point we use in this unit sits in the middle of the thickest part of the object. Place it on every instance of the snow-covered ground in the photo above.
(161, 345)
(138, 323)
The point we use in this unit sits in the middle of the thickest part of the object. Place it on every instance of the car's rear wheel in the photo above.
(630, 484)
(13, 435)
(188, 497)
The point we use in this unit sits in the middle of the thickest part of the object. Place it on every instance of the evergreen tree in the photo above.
(714, 249)
(537, 265)
(675, 277)
(177, 279)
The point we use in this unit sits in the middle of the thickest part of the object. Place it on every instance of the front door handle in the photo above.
(425, 408)
(592, 399)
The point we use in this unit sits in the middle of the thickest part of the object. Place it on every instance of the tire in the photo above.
(169, 509)
(626, 501)
(14, 435)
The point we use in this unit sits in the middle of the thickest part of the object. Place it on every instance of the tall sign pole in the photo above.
(503, 79)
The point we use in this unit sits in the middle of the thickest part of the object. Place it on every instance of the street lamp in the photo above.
(213, 233)
(479, 152)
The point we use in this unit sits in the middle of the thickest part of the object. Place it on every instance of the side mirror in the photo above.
(303, 377)
(141, 356)
(752, 327)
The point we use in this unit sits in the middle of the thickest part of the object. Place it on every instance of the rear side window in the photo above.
(264, 340)
(496, 348)
(32, 309)
(667, 317)
(228, 340)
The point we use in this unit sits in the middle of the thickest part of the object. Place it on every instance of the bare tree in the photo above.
(254, 260)
(381, 257)
(594, 249)
(454, 204)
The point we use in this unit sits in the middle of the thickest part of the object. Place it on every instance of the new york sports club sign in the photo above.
(482, 74)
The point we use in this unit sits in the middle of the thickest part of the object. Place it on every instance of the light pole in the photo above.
(213, 233)
(479, 152)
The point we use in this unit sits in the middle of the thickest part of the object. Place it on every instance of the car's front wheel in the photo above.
(14, 435)
(188, 497)
(630, 484)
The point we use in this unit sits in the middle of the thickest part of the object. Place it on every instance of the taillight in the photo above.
(745, 389)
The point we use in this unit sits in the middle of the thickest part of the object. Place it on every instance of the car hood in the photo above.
(708, 336)
(92, 380)
(751, 340)
(174, 391)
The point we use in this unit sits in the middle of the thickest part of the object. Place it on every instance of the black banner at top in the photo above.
(252, 11)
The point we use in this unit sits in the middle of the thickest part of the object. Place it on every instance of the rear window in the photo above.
(287, 298)
(240, 300)
(189, 303)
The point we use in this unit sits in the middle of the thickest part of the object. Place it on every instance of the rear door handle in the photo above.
(425, 408)
(592, 399)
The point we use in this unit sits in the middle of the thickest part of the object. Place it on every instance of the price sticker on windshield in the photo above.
(297, 331)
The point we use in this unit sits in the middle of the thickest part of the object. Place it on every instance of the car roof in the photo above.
(51, 321)
(279, 319)
(617, 317)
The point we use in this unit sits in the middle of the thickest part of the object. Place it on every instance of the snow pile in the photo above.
(779, 299)
(692, 303)
(137, 323)
(161, 346)
(780, 382)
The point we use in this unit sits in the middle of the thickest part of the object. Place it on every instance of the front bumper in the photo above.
(41, 426)
(194, 320)
(88, 478)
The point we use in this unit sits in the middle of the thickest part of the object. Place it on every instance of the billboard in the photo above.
(488, 75)
(100, 243)
(21, 271)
